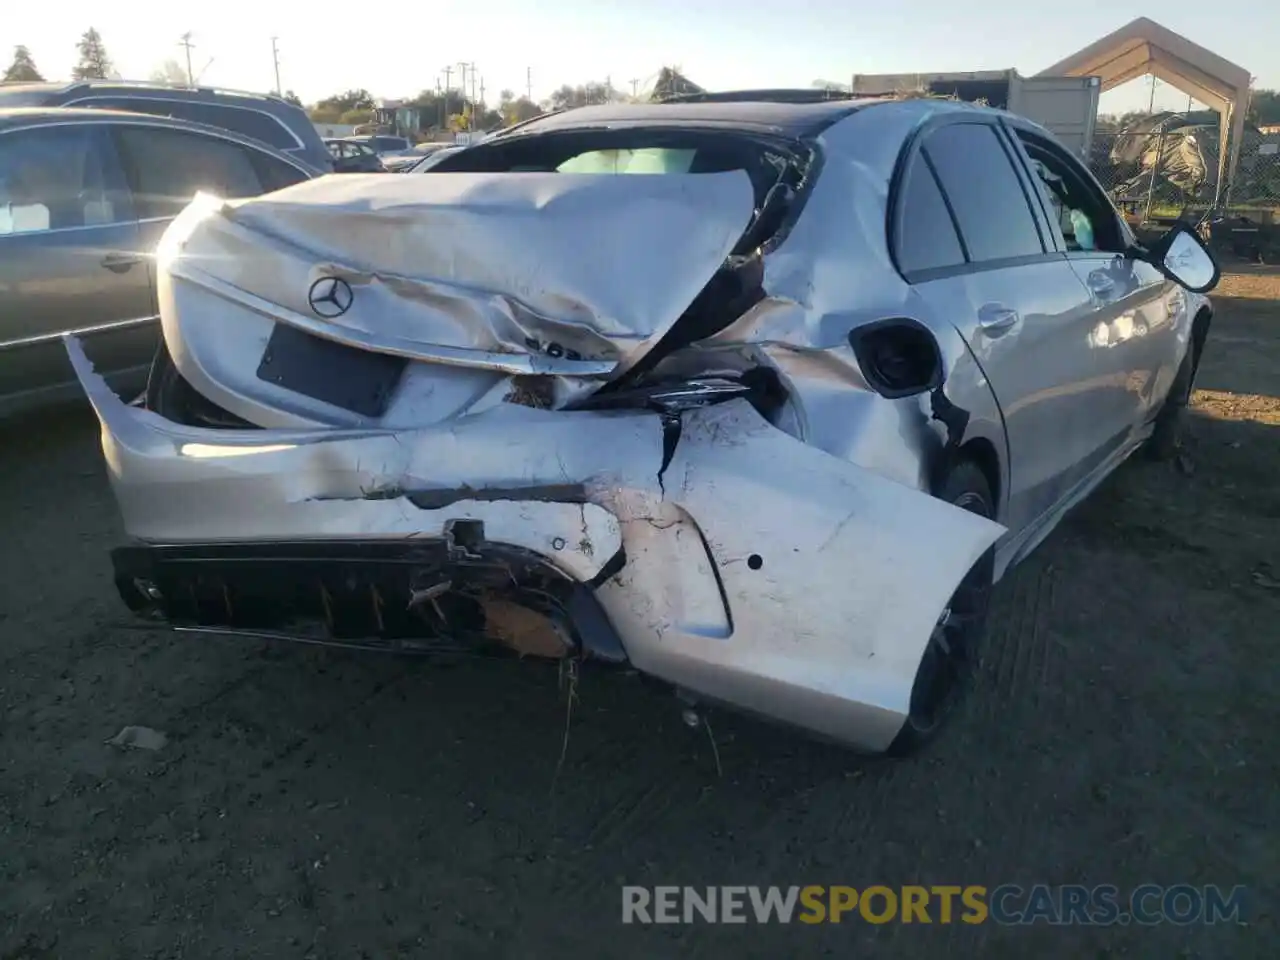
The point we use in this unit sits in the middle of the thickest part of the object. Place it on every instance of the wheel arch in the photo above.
(982, 453)
(1200, 332)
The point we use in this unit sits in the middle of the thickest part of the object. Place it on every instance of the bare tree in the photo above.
(170, 72)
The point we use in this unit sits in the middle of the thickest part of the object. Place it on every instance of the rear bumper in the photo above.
(364, 593)
(727, 557)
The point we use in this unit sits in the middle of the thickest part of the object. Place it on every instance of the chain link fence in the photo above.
(1158, 175)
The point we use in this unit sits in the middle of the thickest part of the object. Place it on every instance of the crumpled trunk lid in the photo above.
(585, 271)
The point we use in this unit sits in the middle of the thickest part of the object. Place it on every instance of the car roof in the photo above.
(792, 114)
(141, 88)
(42, 116)
(33, 116)
(763, 115)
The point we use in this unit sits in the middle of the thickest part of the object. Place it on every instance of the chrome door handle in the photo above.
(995, 319)
(1101, 286)
(121, 262)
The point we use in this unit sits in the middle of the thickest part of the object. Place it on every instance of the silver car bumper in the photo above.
(725, 556)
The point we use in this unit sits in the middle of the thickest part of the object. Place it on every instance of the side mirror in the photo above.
(1182, 257)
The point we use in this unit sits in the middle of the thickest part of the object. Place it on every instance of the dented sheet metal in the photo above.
(464, 268)
(758, 571)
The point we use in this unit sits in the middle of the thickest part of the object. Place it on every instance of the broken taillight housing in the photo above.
(670, 397)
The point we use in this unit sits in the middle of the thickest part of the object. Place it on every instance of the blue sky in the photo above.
(398, 48)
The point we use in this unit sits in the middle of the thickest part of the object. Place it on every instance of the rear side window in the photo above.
(247, 123)
(984, 191)
(927, 238)
(169, 167)
(274, 173)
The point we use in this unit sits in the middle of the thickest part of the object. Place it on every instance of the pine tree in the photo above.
(94, 63)
(23, 67)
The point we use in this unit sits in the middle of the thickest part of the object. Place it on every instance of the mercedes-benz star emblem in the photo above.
(330, 297)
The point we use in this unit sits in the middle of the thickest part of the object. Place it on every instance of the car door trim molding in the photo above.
(41, 339)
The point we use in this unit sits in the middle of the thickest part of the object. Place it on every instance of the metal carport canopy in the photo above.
(1144, 46)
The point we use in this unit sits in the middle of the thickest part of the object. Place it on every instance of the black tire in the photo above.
(1165, 442)
(950, 660)
(173, 398)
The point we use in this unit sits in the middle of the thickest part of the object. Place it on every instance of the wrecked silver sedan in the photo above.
(765, 423)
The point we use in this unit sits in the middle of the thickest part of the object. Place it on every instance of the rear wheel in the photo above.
(950, 660)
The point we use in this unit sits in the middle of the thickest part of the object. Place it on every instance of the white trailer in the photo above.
(1068, 106)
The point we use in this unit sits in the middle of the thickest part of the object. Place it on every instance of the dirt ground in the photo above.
(311, 803)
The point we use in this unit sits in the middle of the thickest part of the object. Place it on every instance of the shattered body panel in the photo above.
(623, 417)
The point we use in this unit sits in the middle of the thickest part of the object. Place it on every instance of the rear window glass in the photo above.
(655, 151)
(643, 160)
(249, 123)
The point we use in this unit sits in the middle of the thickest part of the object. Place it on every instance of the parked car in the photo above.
(385, 145)
(351, 156)
(430, 161)
(84, 198)
(766, 424)
(399, 163)
(263, 117)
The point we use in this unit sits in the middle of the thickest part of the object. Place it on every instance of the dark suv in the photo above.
(263, 117)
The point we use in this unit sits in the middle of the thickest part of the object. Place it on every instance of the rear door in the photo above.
(1016, 300)
(71, 259)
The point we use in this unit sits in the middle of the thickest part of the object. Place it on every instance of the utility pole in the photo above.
(462, 73)
(275, 58)
(635, 84)
(444, 101)
(528, 84)
(469, 69)
(185, 41)
(472, 124)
